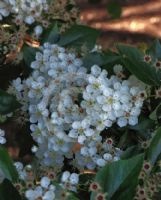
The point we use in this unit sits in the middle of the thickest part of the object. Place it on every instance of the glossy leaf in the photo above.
(100, 59)
(130, 152)
(155, 49)
(120, 177)
(51, 35)
(154, 149)
(153, 115)
(7, 166)
(8, 103)
(132, 59)
(79, 35)
(29, 54)
(143, 126)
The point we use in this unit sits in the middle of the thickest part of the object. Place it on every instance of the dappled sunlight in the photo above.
(144, 19)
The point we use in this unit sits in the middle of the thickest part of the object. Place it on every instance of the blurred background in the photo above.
(128, 21)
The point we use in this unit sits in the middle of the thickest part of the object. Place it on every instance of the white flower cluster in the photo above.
(25, 10)
(43, 183)
(2, 137)
(95, 153)
(21, 170)
(70, 180)
(109, 100)
(46, 190)
(68, 106)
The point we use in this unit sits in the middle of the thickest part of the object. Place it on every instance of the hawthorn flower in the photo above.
(147, 58)
(94, 187)
(100, 196)
(68, 106)
(70, 180)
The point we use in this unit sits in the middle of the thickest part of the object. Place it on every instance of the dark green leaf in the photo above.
(143, 126)
(79, 35)
(100, 59)
(114, 9)
(154, 149)
(29, 54)
(153, 115)
(115, 178)
(8, 191)
(132, 58)
(8, 103)
(130, 152)
(7, 166)
(155, 50)
(72, 196)
(51, 34)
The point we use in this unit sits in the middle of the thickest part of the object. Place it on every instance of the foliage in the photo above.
(115, 179)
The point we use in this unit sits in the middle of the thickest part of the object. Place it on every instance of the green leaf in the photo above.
(7, 166)
(132, 59)
(79, 35)
(8, 103)
(155, 49)
(72, 196)
(153, 115)
(8, 191)
(51, 34)
(29, 54)
(130, 152)
(119, 177)
(100, 59)
(154, 149)
(143, 126)
(114, 9)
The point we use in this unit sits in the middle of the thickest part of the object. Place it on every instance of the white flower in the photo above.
(107, 157)
(101, 162)
(34, 149)
(74, 179)
(81, 139)
(89, 132)
(117, 69)
(30, 194)
(122, 122)
(49, 195)
(45, 181)
(29, 20)
(65, 176)
(38, 30)
(133, 120)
